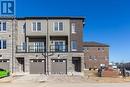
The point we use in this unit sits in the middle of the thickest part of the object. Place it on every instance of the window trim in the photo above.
(2, 44)
(2, 26)
(58, 27)
(36, 26)
(58, 41)
(72, 45)
(38, 45)
(73, 28)
(40, 28)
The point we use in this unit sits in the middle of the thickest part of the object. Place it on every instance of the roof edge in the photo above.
(94, 44)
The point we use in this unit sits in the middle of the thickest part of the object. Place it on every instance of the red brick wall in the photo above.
(101, 57)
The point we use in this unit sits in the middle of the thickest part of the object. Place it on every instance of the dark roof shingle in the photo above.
(94, 44)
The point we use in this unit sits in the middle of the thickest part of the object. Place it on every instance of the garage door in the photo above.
(37, 66)
(58, 66)
(4, 64)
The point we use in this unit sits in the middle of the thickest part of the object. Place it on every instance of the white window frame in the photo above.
(1, 26)
(73, 28)
(37, 26)
(23, 44)
(58, 27)
(2, 45)
(35, 44)
(86, 49)
(72, 45)
(94, 58)
(100, 49)
(54, 41)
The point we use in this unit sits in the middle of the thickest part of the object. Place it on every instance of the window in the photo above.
(38, 47)
(3, 26)
(86, 49)
(24, 28)
(58, 46)
(106, 58)
(23, 46)
(90, 58)
(94, 58)
(74, 45)
(2, 44)
(73, 27)
(36, 26)
(0, 26)
(58, 26)
(100, 49)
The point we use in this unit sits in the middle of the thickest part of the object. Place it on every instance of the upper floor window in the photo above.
(3, 26)
(24, 28)
(74, 45)
(86, 49)
(58, 26)
(36, 26)
(73, 28)
(106, 58)
(2, 44)
(58, 45)
(100, 49)
(90, 58)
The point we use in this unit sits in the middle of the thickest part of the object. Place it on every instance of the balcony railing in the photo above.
(41, 49)
(20, 48)
(36, 49)
(31, 49)
(58, 48)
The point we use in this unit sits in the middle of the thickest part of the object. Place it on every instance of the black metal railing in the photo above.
(30, 49)
(20, 48)
(40, 49)
(36, 49)
(58, 48)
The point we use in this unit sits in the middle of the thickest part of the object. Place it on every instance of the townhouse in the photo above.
(95, 55)
(42, 45)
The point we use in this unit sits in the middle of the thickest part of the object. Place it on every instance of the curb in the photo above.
(6, 80)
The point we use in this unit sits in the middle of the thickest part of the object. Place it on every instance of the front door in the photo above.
(77, 64)
(20, 63)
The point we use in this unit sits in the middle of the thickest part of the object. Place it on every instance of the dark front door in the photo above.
(20, 66)
(77, 63)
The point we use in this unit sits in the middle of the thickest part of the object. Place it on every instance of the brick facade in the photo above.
(96, 54)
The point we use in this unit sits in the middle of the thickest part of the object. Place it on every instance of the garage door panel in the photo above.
(37, 67)
(58, 66)
(4, 64)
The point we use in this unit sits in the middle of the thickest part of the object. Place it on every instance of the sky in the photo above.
(107, 21)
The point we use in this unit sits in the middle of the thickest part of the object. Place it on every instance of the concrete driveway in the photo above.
(30, 84)
(57, 81)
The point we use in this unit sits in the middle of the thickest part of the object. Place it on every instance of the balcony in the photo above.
(31, 49)
(40, 49)
(59, 48)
